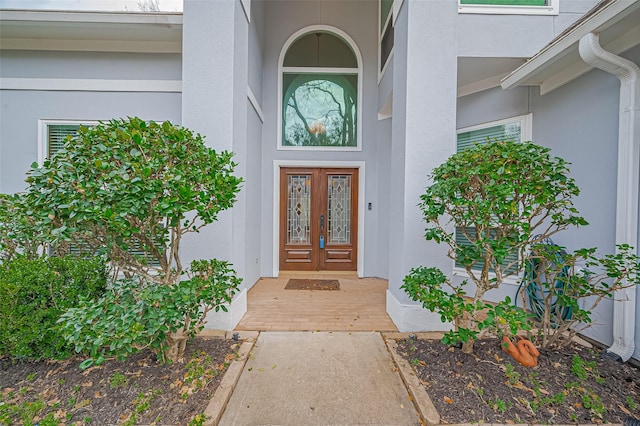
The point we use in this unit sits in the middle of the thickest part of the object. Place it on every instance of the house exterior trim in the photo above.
(90, 85)
(356, 51)
(597, 20)
(255, 104)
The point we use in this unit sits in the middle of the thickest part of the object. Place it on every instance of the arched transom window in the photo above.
(320, 83)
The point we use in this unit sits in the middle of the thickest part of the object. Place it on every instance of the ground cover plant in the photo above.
(570, 385)
(133, 392)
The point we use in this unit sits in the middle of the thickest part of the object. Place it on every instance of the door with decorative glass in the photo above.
(318, 219)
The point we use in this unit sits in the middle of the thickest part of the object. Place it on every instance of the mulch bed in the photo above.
(136, 391)
(312, 284)
(573, 385)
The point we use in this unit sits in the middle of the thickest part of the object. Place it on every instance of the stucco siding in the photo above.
(91, 65)
(516, 36)
(21, 110)
(491, 105)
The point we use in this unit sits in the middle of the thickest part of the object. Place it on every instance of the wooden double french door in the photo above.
(318, 219)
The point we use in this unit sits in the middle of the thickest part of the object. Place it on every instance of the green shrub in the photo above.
(131, 190)
(512, 195)
(33, 295)
(134, 314)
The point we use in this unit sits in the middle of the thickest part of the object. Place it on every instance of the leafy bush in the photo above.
(33, 295)
(18, 236)
(557, 286)
(512, 195)
(506, 198)
(132, 190)
(134, 314)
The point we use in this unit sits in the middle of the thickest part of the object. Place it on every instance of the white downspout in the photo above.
(624, 315)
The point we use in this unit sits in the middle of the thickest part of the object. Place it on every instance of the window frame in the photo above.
(552, 8)
(319, 70)
(389, 22)
(526, 134)
(43, 131)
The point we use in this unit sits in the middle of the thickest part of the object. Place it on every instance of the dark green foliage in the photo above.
(134, 314)
(17, 233)
(33, 295)
(130, 186)
(511, 195)
(579, 290)
(130, 190)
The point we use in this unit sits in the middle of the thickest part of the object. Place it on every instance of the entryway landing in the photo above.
(359, 305)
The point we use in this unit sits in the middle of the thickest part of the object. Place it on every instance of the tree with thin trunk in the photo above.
(499, 198)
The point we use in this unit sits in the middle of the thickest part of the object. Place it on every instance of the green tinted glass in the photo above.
(319, 110)
(385, 10)
(506, 2)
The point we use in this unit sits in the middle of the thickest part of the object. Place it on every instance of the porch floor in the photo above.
(359, 305)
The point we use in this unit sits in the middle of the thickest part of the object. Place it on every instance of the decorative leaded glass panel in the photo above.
(299, 209)
(339, 209)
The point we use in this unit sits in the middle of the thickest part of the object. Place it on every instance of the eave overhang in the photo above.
(616, 21)
(91, 31)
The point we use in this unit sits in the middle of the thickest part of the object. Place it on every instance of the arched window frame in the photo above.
(320, 70)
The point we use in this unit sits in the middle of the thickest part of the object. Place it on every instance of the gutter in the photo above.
(604, 15)
(624, 307)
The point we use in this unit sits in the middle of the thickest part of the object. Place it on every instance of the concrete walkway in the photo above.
(320, 378)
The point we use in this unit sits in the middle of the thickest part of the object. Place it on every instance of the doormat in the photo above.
(312, 284)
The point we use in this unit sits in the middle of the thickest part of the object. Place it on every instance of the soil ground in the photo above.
(569, 386)
(136, 391)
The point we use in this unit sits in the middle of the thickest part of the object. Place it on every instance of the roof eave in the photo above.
(604, 15)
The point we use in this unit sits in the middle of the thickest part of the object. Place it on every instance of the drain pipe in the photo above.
(624, 307)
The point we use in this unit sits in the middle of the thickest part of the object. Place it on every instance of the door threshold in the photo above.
(319, 274)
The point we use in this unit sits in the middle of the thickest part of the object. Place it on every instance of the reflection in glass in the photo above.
(319, 110)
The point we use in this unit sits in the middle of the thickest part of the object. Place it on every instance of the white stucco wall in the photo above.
(21, 110)
(580, 122)
(215, 103)
(93, 65)
(27, 102)
(514, 36)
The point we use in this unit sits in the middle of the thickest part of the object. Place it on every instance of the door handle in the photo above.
(321, 222)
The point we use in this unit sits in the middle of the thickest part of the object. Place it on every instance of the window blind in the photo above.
(511, 258)
(56, 137)
(505, 132)
(510, 131)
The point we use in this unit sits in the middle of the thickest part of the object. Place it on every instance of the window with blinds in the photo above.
(514, 129)
(56, 136)
(510, 7)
